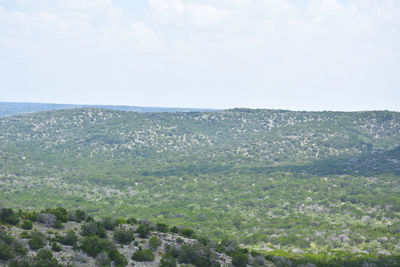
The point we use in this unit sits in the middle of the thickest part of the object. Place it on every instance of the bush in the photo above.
(124, 236)
(174, 230)
(44, 258)
(6, 252)
(38, 240)
(20, 263)
(93, 228)
(162, 227)
(79, 215)
(240, 260)
(93, 246)
(143, 230)
(27, 225)
(168, 261)
(172, 250)
(187, 232)
(55, 247)
(8, 216)
(109, 223)
(143, 255)
(60, 213)
(197, 255)
(69, 239)
(154, 243)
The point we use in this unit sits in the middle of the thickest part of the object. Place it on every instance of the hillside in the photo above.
(14, 108)
(58, 237)
(272, 179)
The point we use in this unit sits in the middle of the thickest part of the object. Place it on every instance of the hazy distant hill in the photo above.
(13, 108)
(314, 181)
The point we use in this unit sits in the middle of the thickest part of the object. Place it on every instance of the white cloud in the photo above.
(136, 34)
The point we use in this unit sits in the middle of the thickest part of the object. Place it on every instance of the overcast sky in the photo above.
(298, 55)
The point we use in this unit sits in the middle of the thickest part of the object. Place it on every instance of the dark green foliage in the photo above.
(93, 245)
(60, 213)
(143, 255)
(172, 250)
(8, 216)
(55, 247)
(197, 254)
(168, 261)
(109, 223)
(93, 228)
(44, 258)
(174, 230)
(161, 227)
(124, 236)
(27, 225)
(9, 247)
(143, 230)
(154, 243)
(240, 259)
(187, 232)
(69, 239)
(37, 241)
(79, 215)
(131, 221)
(6, 252)
(20, 263)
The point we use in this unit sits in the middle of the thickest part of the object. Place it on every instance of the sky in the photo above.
(275, 54)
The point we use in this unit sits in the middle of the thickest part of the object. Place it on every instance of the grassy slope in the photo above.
(310, 180)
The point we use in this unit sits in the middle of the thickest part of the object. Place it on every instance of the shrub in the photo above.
(79, 215)
(109, 223)
(27, 225)
(143, 230)
(44, 258)
(20, 263)
(131, 221)
(240, 260)
(93, 245)
(8, 216)
(189, 233)
(172, 250)
(93, 228)
(168, 261)
(162, 227)
(154, 243)
(124, 236)
(6, 252)
(143, 255)
(174, 230)
(38, 240)
(196, 254)
(55, 247)
(60, 213)
(69, 239)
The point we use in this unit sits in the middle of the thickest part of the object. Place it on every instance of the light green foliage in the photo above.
(316, 181)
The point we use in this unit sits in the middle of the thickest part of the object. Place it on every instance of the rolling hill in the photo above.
(271, 179)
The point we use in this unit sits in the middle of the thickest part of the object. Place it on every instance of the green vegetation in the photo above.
(143, 255)
(124, 236)
(301, 183)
